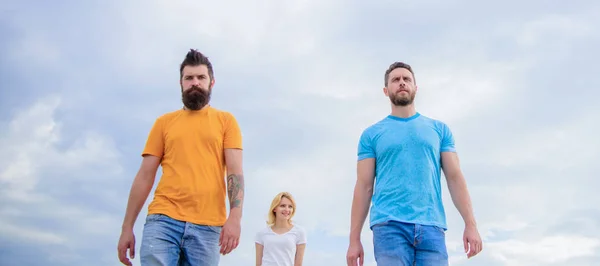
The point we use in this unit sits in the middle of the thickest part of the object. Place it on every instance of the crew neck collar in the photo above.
(404, 119)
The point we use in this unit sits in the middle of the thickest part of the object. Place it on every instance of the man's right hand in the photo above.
(355, 252)
(126, 241)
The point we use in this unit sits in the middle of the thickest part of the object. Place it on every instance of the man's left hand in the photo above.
(472, 241)
(230, 235)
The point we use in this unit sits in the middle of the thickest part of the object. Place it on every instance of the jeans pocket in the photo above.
(216, 229)
(439, 229)
(152, 218)
(380, 224)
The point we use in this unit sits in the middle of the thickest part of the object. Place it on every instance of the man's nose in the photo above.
(195, 81)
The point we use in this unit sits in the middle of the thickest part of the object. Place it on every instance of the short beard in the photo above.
(402, 101)
(195, 98)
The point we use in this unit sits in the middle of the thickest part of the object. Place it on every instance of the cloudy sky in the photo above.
(82, 82)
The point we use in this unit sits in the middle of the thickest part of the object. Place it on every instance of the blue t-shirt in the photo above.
(407, 154)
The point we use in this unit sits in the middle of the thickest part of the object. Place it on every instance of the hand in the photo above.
(355, 252)
(472, 241)
(230, 235)
(126, 241)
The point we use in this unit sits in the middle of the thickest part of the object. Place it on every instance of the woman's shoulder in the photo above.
(264, 230)
(298, 228)
(300, 234)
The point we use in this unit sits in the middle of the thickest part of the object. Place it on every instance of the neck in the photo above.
(203, 107)
(282, 224)
(404, 111)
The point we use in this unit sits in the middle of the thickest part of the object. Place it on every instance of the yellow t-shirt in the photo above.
(191, 144)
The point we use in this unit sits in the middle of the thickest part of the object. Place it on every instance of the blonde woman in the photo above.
(281, 242)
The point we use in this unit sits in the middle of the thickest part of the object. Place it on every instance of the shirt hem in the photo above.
(187, 219)
(426, 223)
(362, 157)
(233, 147)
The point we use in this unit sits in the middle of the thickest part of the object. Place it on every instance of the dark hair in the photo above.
(398, 65)
(195, 58)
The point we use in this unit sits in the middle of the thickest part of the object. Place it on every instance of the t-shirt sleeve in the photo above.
(365, 146)
(447, 143)
(258, 238)
(233, 134)
(301, 236)
(155, 143)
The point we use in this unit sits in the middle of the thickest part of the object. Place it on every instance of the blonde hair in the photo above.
(276, 201)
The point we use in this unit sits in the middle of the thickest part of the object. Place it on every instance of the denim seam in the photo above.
(185, 228)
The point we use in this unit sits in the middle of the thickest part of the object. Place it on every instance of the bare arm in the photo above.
(461, 199)
(230, 234)
(363, 191)
(142, 184)
(299, 254)
(458, 187)
(235, 181)
(259, 254)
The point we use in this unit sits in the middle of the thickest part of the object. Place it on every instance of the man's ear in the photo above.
(212, 83)
(385, 91)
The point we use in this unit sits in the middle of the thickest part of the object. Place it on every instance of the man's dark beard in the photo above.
(402, 101)
(195, 98)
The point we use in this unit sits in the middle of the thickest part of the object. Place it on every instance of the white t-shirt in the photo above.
(280, 249)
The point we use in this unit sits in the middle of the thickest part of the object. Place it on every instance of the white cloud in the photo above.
(239, 35)
(33, 144)
(32, 147)
(27, 138)
(567, 145)
(538, 30)
(30, 235)
(550, 249)
(311, 64)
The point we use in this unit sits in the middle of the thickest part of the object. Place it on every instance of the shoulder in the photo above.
(166, 117)
(219, 112)
(375, 128)
(299, 230)
(263, 231)
(259, 237)
(300, 234)
(224, 116)
(436, 123)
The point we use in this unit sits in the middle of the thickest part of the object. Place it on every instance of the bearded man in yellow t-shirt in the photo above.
(196, 147)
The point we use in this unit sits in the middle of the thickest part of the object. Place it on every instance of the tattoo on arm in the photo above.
(235, 190)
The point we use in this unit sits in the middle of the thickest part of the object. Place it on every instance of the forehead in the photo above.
(195, 70)
(285, 201)
(400, 72)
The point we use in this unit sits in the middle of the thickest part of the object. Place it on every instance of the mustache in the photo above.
(196, 88)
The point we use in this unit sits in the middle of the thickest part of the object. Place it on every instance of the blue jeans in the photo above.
(169, 242)
(404, 244)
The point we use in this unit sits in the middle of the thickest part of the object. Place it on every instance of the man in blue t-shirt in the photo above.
(400, 160)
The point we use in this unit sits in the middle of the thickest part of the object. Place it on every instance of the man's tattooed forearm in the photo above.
(235, 190)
